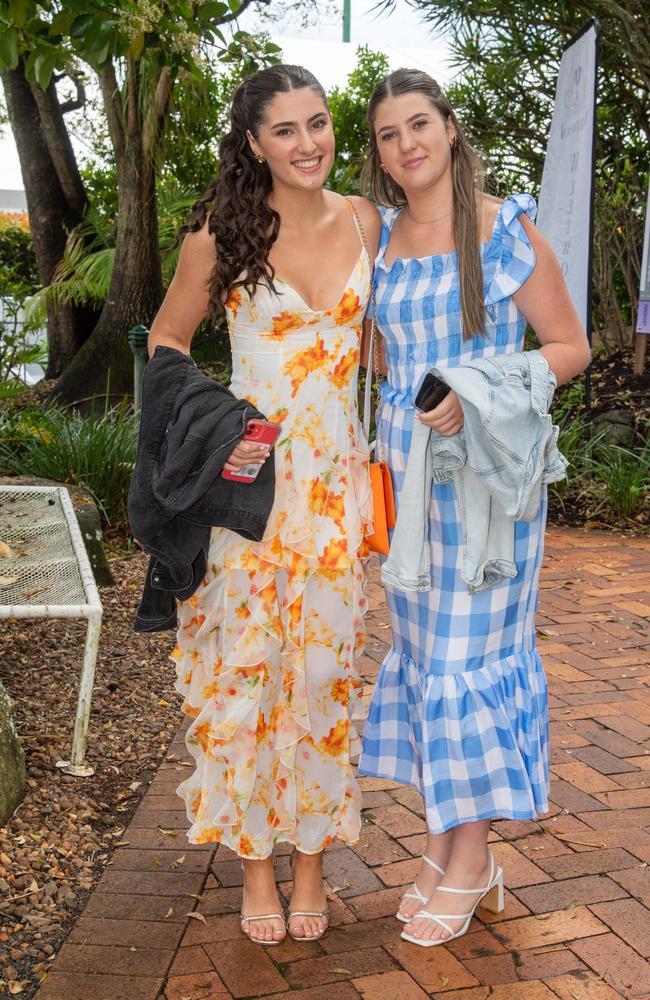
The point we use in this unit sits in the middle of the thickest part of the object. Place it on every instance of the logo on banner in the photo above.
(575, 99)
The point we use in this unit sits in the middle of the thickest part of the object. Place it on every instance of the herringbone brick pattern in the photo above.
(577, 918)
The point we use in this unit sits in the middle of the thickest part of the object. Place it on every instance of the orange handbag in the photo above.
(381, 484)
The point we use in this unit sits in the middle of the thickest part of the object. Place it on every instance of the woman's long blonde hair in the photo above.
(467, 177)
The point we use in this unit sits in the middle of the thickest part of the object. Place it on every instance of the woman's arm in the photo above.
(183, 308)
(186, 301)
(545, 302)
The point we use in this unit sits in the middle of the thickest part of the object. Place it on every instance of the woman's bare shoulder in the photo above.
(489, 207)
(370, 218)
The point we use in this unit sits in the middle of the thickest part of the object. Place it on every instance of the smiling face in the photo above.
(296, 139)
(414, 141)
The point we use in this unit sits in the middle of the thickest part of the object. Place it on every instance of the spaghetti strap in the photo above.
(362, 233)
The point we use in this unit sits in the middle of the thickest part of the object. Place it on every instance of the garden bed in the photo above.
(58, 843)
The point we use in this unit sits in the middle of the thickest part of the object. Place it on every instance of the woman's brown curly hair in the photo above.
(235, 202)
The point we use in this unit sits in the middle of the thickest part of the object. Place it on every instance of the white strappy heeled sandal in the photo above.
(262, 916)
(491, 898)
(416, 894)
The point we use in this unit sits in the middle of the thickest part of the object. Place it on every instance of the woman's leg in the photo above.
(308, 893)
(260, 896)
(438, 850)
(468, 868)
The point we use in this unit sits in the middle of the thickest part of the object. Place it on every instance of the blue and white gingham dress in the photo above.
(460, 707)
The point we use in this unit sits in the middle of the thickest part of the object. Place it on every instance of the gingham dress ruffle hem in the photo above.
(460, 706)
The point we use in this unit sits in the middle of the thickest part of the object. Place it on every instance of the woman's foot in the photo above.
(464, 875)
(307, 896)
(437, 851)
(260, 897)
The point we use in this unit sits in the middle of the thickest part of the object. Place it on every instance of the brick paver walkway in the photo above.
(576, 924)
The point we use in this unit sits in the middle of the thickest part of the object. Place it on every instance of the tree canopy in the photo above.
(506, 55)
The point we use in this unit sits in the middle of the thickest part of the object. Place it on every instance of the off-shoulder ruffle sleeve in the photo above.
(516, 257)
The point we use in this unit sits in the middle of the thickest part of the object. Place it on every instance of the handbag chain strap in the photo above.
(372, 366)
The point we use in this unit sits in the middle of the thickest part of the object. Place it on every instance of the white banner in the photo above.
(565, 199)
(643, 315)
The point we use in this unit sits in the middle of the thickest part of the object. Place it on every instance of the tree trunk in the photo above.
(50, 213)
(105, 363)
(12, 762)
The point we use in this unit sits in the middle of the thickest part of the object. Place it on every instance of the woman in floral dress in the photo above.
(267, 646)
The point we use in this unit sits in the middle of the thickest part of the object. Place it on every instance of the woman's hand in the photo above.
(447, 418)
(246, 453)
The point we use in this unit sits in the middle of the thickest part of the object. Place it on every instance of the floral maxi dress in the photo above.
(266, 648)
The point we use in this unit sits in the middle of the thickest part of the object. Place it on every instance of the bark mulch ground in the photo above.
(161, 921)
(55, 848)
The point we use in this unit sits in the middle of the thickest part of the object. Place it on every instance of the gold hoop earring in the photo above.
(383, 167)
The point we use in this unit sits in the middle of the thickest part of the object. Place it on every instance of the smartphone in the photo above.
(432, 392)
(263, 433)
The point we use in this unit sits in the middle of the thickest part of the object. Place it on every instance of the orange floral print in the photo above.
(340, 689)
(285, 323)
(234, 301)
(210, 835)
(346, 368)
(334, 560)
(268, 646)
(303, 362)
(347, 308)
(337, 739)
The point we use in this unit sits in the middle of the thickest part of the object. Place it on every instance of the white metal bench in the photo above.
(45, 573)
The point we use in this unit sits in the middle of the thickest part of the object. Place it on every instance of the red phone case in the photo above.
(261, 432)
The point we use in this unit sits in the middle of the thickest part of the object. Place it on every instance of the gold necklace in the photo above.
(428, 222)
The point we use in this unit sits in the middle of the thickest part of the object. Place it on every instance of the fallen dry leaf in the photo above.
(17, 986)
(170, 913)
(196, 916)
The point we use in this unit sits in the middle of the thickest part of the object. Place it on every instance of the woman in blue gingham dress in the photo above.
(460, 706)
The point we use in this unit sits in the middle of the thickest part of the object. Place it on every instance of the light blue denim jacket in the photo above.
(498, 463)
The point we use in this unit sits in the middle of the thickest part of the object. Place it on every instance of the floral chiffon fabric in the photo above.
(266, 648)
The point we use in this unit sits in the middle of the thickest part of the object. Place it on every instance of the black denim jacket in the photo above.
(189, 425)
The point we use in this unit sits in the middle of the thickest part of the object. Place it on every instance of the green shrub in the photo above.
(17, 258)
(623, 478)
(96, 452)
